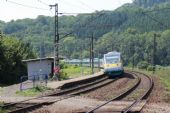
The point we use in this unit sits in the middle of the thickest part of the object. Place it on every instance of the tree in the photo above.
(13, 52)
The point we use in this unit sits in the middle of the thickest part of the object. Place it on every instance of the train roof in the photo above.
(113, 53)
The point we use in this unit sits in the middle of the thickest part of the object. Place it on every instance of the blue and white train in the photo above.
(112, 64)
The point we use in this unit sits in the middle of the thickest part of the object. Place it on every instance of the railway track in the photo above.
(51, 98)
(81, 88)
(143, 96)
(129, 107)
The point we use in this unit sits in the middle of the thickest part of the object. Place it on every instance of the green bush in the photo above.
(158, 67)
(63, 76)
(150, 68)
(143, 65)
(66, 66)
(76, 66)
(62, 65)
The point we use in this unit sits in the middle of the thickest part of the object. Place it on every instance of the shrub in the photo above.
(159, 67)
(63, 76)
(150, 68)
(76, 66)
(66, 66)
(143, 65)
(62, 65)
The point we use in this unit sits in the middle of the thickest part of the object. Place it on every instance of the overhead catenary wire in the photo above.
(87, 6)
(33, 7)
(72, 4)
(43, 2)
(24, 5)
(93, 19)
(146, 13)
(154, 19)
(157, 10)
(109, 25)
(64, 13)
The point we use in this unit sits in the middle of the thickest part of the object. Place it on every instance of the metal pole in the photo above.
(57, 49)
(133, 60)
(40, 70)
(98, 62)
(56, 40)
(92, 53)
(82, 62)
(154, 50)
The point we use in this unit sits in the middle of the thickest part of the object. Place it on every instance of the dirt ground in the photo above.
(81, 104)
(111, 90)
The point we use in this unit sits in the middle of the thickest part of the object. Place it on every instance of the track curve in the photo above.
(137, 87)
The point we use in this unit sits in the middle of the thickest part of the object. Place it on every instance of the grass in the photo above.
(33, 91)
(72, 71)
(2, 110)
(163, 73)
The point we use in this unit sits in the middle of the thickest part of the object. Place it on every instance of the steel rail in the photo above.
(62, 92)
(37, 105)
(26, 108)
(78, 87)
(144, 96)
(119, 96)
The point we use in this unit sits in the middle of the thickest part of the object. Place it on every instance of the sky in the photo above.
(19, 9)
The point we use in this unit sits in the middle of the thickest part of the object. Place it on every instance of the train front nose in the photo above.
(114, 70)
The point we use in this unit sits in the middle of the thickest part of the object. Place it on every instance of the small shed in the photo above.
(39, 67)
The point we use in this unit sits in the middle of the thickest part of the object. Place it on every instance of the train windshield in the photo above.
(111, 60)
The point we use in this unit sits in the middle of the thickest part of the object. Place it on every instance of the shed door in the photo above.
(52, 67)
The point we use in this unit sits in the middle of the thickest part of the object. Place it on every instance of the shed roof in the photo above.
(38, 59)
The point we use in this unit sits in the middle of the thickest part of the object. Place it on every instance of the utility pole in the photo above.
(154, 51)
(82, 70)
(92, 53)
(98, 61)
(56, 41)
(133, 52)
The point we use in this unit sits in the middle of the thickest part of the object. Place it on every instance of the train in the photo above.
(112, 64)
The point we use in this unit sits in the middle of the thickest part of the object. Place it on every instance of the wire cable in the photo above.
(43, 2)
(109, 25)
(154, 19)
(71, 4)
(87, 6)
(84, 25)
(157, 10)
(64, 13)
(28, 6)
